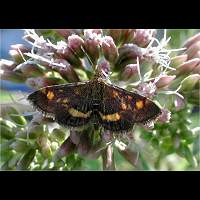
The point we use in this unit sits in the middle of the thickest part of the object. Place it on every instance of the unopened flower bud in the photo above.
(108, 158)
(39, 82)
(127, 35)
(19, 146)
(58, 134)
(179, 103)
(143, 36)
(26, 160)
(15, 116)
(130, 156)
(92, 48)
(194, 97)
(128, 53)
(76, 43)
(16, 56)
(35, 130)
(192, 50)
(68, 54)
(7, 132)
(12, 76)
(75, 137)
(67, 71)
(20, 48)
(65, 149)
(107, 136)
(187, 66)
(197, 54)
(7, 65)
(103, 65)
(84, 145)
(196, 70)
(30, 70)
(130, 71)
(164, 81)
(147, 89)
(189, 82)
(116, 35)
(109, 49)
(165, 116)
(178, 60)
(192, 40)
(65, 32)
(44, 146)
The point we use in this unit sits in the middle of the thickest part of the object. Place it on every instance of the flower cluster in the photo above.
(133, 59)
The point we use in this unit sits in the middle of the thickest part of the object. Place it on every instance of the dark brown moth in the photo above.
(94, 102)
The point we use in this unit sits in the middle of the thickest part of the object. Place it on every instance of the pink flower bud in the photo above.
(193, 49)
(164, 81)
(130, 156)
(165, 116)
(107, 136)
(187, 66)
(179, 103)
(84, 145)
(75, 137)
(12, 76)
(7, 65)
(39, 82)
(30, 70)
(104, 66)
(68, 54)
(128, 53)
(147, 89)
(196, 70)
(108, 159)
(128, 35)
(143, 36)
(109, 49)
(65, 149)
(16, 56)
(116, 35)
(67, 71)
(192, 40)
(20, 47)
(178, 60)
(65, 32)
(92, 48)
(75, 42)
(129, 71)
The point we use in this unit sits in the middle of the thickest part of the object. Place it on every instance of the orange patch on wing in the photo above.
(123, 106)
(115, 94)
(139, 104)
(130, 98)
(50, 95)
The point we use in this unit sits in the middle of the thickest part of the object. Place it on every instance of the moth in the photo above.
(94, 102)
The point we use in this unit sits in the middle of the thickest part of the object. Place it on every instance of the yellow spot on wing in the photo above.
(50, 95)
(75, 113)
(139, 104)
(112, 117)
(65, 100)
